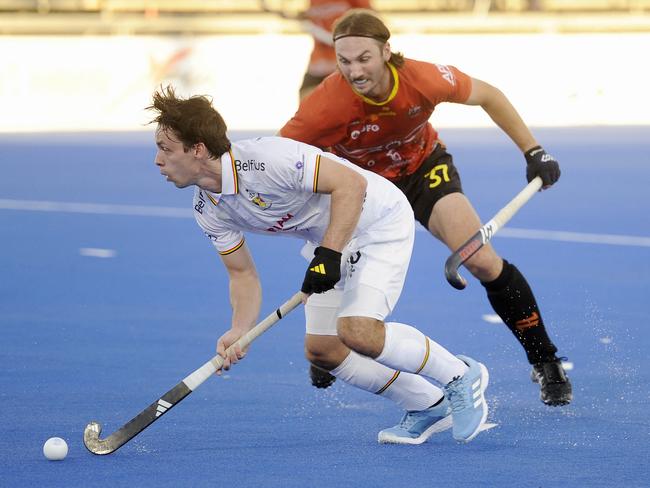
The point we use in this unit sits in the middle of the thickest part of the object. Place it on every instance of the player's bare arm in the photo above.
(501, 111)
(245, 299)
(347, 189)
(499, 108)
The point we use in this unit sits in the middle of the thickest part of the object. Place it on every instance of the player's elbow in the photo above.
(357, 185)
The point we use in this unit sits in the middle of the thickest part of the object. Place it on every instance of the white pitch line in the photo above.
(95, 208)
(174, 212)
(554, 235)
(492, 318)
(96, 252)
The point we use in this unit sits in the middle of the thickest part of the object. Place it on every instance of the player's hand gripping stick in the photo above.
(540, 163)
(323, 272)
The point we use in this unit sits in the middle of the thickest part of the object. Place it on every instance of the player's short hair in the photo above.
(192, 119)
(360, 22)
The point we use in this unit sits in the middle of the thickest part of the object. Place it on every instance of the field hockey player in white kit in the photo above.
(359, 230)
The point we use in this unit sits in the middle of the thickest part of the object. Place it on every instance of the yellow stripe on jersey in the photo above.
(232, 249)
(316, 170)
(234, 171)
(214, 202)
(390, 382)
(393, 92)
(426, 355)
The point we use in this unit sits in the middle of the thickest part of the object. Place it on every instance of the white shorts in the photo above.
(373, 270)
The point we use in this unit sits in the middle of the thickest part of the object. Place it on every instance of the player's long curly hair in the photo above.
(360, 22)
(192, 119)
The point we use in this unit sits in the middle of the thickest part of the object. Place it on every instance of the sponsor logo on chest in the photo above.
(279, 225)
(415, 110)
(249, 165)
(356, 133)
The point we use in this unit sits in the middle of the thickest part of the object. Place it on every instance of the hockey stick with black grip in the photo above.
(173, 397)
(485, 233)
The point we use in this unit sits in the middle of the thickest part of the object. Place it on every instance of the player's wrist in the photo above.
(327, 253)
(531, 154)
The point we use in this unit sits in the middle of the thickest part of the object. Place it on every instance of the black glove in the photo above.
(540, 163)
(323, 272)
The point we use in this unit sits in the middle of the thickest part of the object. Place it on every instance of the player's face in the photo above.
(178, 165)
(362, 61)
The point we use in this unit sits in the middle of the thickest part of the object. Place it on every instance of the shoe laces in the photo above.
(408, 420)
(458, 398)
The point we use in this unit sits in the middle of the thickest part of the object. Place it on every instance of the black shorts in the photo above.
(435, 178)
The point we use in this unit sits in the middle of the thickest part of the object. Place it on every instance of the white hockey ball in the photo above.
(55, 449)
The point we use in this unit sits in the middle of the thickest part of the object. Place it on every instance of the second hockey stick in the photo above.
(485, 233)
(173, 397)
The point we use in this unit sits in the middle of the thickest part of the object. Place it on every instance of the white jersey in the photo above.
(269, 186)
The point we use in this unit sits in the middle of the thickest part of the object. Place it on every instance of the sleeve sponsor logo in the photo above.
(447, 75)
(300, 166)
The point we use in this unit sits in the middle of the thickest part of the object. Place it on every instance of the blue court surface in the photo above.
(110, 295)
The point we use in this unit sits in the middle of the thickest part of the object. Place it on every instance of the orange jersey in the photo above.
(323, 14)
(390, 138)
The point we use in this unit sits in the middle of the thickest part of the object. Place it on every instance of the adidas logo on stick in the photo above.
(162, 407)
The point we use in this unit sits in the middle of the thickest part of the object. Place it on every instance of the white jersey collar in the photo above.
(229, 179)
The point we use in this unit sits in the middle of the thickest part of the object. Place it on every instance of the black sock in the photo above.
(437, 403)
(513, 300)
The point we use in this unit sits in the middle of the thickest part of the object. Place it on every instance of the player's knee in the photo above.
(315, 355)
(326, 352)
(485, 265)
(364, 335)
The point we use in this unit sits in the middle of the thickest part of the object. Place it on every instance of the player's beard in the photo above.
(365, 88)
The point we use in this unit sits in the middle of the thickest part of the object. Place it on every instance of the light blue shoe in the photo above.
(417, 427)
(468, 406)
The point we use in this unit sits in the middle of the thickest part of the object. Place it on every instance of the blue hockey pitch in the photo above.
(110, 295)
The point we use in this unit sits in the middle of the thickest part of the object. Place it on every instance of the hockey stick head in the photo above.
(453, 276)
(460, 256)
(92, 441)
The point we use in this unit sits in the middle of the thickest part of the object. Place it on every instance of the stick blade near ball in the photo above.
(93, 442)
(138, 423)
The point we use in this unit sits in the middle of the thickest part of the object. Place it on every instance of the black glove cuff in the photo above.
(530, 154)
(326, 252)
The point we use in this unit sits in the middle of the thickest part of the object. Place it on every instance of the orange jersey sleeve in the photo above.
(438, 82)
(391, 138)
